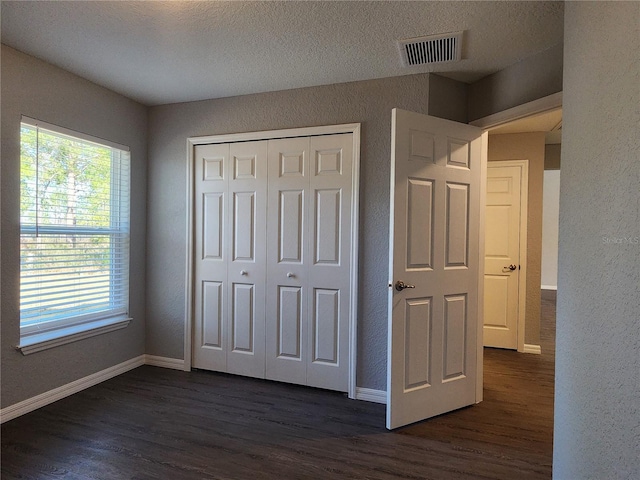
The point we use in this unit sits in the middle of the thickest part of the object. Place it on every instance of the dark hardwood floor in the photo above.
(153, 423)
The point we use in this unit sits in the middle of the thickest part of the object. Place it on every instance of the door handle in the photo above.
(400, 285)
(511, 267)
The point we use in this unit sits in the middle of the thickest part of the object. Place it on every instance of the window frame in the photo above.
(54, 332)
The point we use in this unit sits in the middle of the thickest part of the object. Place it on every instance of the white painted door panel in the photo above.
(502, 249)
(435, 210)
(247, 258)
(210, 270)
(331, 160)
(288, 250)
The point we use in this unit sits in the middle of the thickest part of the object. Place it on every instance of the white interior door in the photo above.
(330, 216)
(502, 254)
(247, 210)
(210, 170)
(288, 250)
(309, 260)
(434, 322)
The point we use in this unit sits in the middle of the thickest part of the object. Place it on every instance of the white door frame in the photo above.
(541, 105)
(353, 128)
(524, 209)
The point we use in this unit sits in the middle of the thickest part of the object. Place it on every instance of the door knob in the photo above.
(243, 272)
(290, 275)
(400, 285)
(511, 267)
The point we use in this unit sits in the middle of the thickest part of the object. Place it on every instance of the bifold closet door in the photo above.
(308, 260)
(329, 263)
(210, 256)
(246, 266)
(230, 220)
(287, 251)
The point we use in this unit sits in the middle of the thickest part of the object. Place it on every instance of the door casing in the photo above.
(353, 128)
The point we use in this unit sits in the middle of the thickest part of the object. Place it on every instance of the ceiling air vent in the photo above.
(432, 49)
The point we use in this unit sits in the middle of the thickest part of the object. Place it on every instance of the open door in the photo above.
(435, 325)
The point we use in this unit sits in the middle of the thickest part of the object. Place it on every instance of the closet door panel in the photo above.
(289, 338)
(210, 259)
(246, 252)
(330, 263)
(287, 252)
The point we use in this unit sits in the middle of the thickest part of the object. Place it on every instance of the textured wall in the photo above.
(552, 153)
(597, 403)
(532, 78)
(550, 215)
(42, 91)
(448, 98)
(367, 102)
(527, 146)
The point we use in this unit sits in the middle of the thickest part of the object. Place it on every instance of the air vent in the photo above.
(431, 49)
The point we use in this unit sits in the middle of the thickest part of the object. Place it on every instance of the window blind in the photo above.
(74, 228)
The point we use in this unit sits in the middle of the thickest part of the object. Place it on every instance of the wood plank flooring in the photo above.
(153, 423)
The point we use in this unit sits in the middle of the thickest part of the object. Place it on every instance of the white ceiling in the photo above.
(166, 52)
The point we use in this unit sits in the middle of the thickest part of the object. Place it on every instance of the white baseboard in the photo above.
(31, 404)
(164, 362)
(371, 395)
(532, 349)
(548, 287)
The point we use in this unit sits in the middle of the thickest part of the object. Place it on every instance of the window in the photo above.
(74, 235)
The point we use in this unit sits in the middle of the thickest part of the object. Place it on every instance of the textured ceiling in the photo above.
(166, 52)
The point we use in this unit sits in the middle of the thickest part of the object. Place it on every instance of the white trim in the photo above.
(541, 105)
(36, 342)
(275, 134)
(31, 404)
(371, 395)
(353, 128)
(481, 233)
(353, 314)
(164, 362)
(528, 348)
(189, 273)
(524, 219)
(548, 287)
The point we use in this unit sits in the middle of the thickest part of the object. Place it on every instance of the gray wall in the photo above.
(532, 78)
(368, 102)
(42, 91)
(448, 98)
(597, 416)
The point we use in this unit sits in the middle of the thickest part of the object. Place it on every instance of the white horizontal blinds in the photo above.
(74, 229)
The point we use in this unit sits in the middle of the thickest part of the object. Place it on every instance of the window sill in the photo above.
(37, 342)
